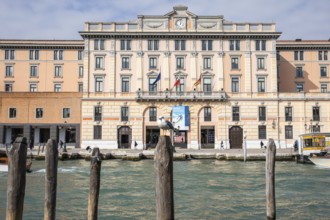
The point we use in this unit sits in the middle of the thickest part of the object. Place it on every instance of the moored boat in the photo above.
(323, 161)
(4, 165)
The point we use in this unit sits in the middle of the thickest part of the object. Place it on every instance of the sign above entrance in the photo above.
(180, 117)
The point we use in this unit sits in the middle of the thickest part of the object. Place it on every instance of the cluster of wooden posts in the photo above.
(163, 167)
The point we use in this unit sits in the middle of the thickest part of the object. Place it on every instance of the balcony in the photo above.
(180, 96)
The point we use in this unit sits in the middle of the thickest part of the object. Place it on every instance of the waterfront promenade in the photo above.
(287, 154)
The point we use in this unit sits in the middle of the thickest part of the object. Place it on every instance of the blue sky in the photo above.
(63, 19)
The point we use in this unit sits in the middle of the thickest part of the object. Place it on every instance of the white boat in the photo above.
(3, 168)
(323, 161)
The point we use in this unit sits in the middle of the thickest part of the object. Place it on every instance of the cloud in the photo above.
(63, 19)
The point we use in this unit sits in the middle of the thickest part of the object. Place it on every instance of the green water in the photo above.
(203, 189)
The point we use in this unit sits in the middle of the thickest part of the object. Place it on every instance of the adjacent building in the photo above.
(222, 83)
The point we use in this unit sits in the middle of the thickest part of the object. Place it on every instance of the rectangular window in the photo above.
(57, 87)
(180, 44)
(278, 55)
(12, 112)
(125, 45)
(298, 55)
(288, 132)
(235, 113)
(234, 45)
(58, 71)
(39, 112)
(9, 71)
(153, 44)
(125, 62)
(234, 84)
(288, 113)
(262, 131)
(323, 55)
(260, 45)
(152, 86)
(34, 55)
(324, 87)
(180, 62)
(207, 63)
(98, 44)
(207, 114)
(98, 84)
(8, 87)
(66, 112)
(124, 113)
(33, 71)
(80, 54)
(316, 113)
(152, 114)
(58, 54)
(261, 84)
(152, 62)
(300, 87)
(262, 113)
(99, 62)
(207, 45)
(323, 71)
(33, 87)
(261, 63)
(125, 84)
(234, 63)
(81, 71)
(180, 88)
(299, 71)
(97, 132)
(9, 54)
(97, 113)
(207, 85)
(80, 87)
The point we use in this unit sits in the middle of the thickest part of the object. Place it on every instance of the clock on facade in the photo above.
(180, 23)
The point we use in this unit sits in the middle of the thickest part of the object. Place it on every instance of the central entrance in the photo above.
(236, 137)
(180, 139)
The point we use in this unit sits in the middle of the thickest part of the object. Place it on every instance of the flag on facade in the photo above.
(198, 81)
(157, 79)
(177, 82)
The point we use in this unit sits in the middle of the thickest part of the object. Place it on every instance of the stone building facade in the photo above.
(222, 83)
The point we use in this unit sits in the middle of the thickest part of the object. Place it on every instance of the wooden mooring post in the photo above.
(16, 179)
(270, 180)
(163, 168)
(94, 184)
(51, 160)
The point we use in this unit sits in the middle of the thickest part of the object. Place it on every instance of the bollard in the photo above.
(51, 159)
(94, 184)
(16, 179)
(163, 168)
(270, 180)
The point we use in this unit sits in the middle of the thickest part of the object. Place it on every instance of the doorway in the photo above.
(152, 136)
(236, 137)
(180, 139)
(207, 137)
(124, 137)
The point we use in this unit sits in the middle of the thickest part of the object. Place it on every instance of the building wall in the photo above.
(279, 74)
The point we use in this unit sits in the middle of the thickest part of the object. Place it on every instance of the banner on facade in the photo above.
(180, 117)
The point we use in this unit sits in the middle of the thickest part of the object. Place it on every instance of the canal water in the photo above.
(203, 189)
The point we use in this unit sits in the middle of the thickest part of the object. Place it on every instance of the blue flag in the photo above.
(157, 79)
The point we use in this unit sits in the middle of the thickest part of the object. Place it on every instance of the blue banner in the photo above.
(180, 117)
